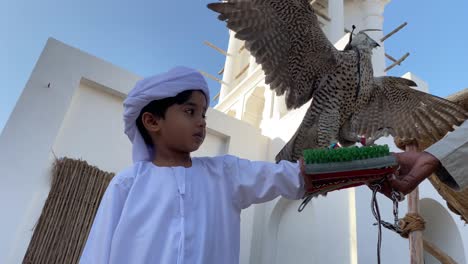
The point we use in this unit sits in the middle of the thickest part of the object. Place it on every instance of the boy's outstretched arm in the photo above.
(99, 243)
(259, 181)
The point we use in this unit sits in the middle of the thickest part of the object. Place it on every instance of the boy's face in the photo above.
(184, 127)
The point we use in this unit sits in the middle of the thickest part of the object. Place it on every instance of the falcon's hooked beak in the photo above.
(374, 44)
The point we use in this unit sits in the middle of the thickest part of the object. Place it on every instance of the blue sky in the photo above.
(146, 37)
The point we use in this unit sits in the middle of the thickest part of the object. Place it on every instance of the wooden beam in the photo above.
(242, 71)
(322, 15)
(393, 31)
(398, 62)
(216, 97)
(213, 78)
(391, 58)
(438, 253)
(415, 237)
(321, 5)
(216, 48)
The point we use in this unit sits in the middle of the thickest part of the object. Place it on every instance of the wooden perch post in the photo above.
(415, 237)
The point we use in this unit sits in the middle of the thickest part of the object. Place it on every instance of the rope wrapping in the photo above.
(411, 222)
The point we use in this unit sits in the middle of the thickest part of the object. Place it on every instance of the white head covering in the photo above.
(161, 86)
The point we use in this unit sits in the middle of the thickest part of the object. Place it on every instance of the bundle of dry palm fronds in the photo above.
(68, 213)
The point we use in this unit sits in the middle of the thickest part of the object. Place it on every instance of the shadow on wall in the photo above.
(274, 148)
(441, 230)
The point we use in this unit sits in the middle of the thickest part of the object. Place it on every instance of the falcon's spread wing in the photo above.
(405, 112)
(286, 39)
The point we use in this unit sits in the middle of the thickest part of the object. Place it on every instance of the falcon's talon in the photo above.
(335, 145)
(362, 140)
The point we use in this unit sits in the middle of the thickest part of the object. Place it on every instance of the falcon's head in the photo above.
(362, 41)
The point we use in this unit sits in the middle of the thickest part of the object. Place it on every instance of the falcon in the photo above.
(347, 103)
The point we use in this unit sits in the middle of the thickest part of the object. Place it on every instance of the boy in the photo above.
(169, 207)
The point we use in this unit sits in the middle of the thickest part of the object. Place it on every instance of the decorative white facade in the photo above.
(72, 106)
(244, 95)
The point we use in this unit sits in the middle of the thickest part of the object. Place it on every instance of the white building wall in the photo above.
(356, 240)
(372, 18)
(31, 131)
(89, 129)
(80, 116)
(433, 208)
(442, 230)
(319, 234)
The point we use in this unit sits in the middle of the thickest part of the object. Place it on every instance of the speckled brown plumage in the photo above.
(348, 102)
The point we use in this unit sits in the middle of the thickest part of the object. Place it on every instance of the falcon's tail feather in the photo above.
(286, 153)
(304, 138)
